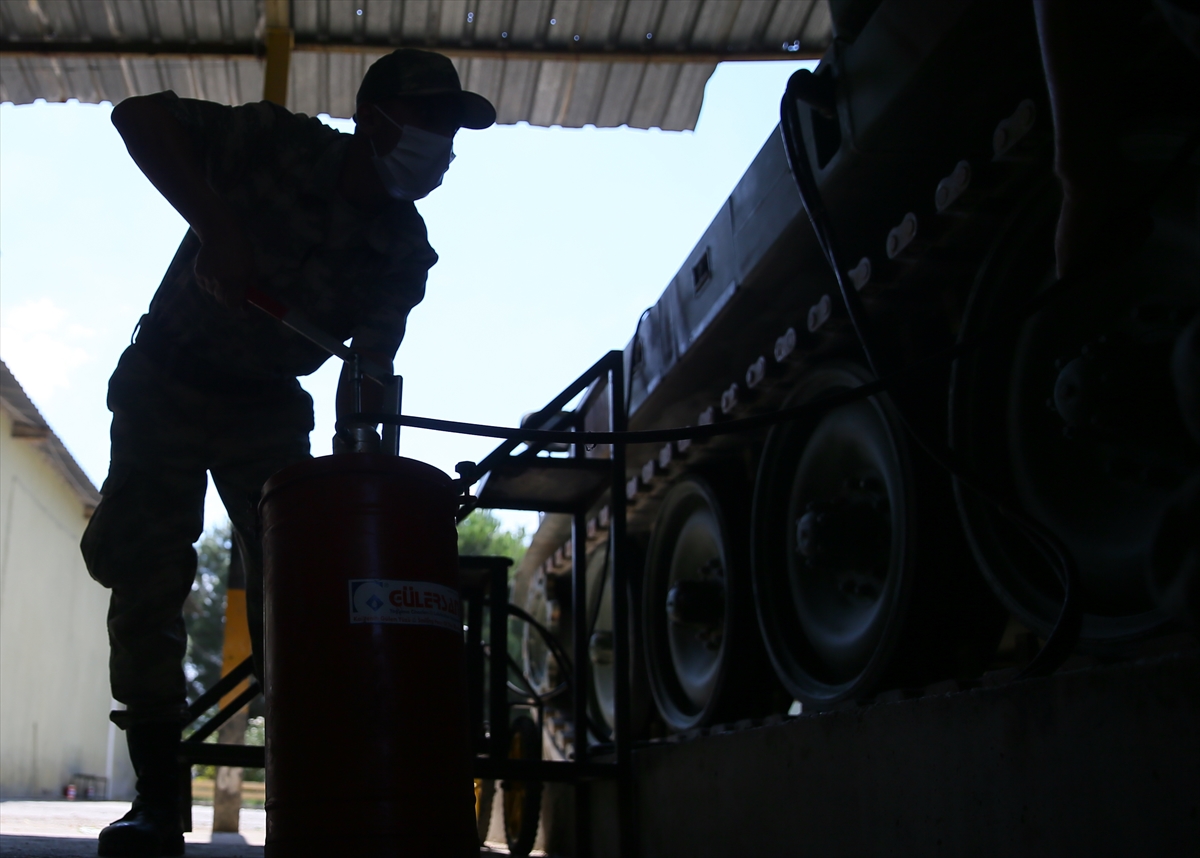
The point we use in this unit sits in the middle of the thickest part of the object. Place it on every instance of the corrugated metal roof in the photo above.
(28, 423)
(642, 63)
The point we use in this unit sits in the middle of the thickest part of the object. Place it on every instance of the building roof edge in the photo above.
(28, 424)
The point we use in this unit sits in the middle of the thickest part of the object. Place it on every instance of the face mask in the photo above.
(417, 163)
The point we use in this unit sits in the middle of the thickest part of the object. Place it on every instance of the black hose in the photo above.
(560, 656)
(651, 436)
(552, 644)
(595, 617)
(529, 692)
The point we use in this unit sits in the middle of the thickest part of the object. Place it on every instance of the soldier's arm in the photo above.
(379, 333)
(168, 156)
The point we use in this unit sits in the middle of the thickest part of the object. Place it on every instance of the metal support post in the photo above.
(498, 672)
(279, 42)
(393, 396)
(622, 739)
(581, 680)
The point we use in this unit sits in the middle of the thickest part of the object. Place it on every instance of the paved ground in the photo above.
(67, 829)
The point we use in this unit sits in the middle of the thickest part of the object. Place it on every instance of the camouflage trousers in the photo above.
(166, 434)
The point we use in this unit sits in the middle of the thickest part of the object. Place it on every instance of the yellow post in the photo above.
(236, 648)
(279, 51)
(227, 791)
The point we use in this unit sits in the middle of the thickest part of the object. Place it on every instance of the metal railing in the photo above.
(582, 769)
(484, 583)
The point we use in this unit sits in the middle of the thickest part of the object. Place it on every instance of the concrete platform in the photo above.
(1099, 760)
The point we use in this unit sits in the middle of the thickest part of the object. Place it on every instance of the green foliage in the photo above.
(204, 616)
(480, 533)
(204, 611)
(256, 734)
(256, 731)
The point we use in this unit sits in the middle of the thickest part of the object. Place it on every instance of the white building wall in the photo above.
(54, 692)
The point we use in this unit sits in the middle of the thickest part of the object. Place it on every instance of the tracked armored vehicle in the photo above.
(886, 550)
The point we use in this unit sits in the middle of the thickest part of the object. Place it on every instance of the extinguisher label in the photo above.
(405, 603)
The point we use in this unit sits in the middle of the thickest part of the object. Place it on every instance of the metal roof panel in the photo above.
(618, 95)
(677, 23)
(548, 92)
(639, 20)
(14, 85)
(584, 89)
(484, 76)
(684, 107)
(654, 94)
(817, 28)
(518, 83)
(508, 50)
(748, 24)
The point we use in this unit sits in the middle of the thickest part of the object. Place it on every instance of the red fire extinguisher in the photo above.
(368, 748)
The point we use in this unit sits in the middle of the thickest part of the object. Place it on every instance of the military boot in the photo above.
(152, 827)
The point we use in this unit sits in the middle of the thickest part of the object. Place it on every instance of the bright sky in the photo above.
(552, 242)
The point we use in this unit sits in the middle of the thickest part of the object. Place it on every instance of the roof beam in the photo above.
(280, 41)
(169, 50)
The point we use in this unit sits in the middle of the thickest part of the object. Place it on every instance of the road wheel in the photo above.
(1074, 418)
(600, 645)
(862, 579)
(703, 653)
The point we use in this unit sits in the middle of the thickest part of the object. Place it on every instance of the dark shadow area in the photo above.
(26, 846)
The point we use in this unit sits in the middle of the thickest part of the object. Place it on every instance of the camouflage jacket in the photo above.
(353, 273)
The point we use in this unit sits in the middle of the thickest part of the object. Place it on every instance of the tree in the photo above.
(480, 533)
(204, 610)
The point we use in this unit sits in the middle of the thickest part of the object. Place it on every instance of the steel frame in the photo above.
(580, 771)
(193, 750)
(491, 747)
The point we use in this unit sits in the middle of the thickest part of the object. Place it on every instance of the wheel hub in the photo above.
(852, 529)
(694, 631)
(600, 648)
(697, 601)
(1117, 389)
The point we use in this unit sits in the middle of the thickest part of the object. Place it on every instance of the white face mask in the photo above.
(417, 163)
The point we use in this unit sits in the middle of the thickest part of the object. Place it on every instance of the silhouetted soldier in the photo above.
(322, 221)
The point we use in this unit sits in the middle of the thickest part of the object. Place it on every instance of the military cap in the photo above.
(411, 73)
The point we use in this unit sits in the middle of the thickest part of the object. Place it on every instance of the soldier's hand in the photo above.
(225, 266)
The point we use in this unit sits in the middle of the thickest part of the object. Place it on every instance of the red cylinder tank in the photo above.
(368, 748)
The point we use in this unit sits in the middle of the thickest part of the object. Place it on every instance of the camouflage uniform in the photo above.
(205, 388)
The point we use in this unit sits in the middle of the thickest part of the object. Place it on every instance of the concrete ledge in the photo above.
(1102, 761)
